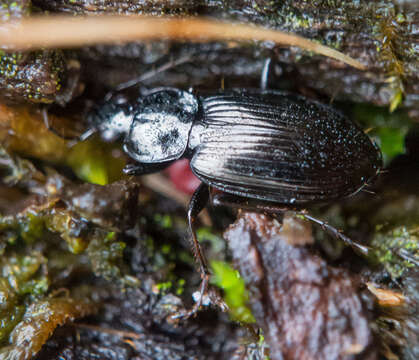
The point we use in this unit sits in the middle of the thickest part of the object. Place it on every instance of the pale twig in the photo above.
(69, 31)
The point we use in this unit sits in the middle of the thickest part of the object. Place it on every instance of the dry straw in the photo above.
(65, 31)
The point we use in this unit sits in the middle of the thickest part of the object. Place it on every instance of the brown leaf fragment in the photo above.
(22, 130)
(307, 309)
(38, 324)
(386, 297)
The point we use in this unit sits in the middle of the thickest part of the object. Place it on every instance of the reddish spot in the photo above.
(182, 176)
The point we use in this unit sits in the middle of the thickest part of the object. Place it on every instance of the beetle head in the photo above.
(160, 129)
(111, 119)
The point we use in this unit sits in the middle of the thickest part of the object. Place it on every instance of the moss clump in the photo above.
(164, 221)
(397, 249)
(389, 129)
(387, 28)
(235, 293)
(37, 223)
(105, 253)
(95, 162)
(21, 277)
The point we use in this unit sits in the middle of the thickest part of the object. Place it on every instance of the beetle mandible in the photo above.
(267, 145)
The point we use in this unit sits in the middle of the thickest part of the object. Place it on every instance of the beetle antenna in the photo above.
(368, 191)
(45, 117)
(368, 130)
(383, 171)
(364, 250)
(149, 74)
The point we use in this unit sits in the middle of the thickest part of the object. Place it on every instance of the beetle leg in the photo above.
(198, 202)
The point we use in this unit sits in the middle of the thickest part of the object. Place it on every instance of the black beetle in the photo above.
(256, 144)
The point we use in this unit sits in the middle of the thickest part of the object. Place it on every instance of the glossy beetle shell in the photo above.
(280, 147)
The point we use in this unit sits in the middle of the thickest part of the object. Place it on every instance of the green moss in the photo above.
(31, 227)
(165, 221)
(37, 224)
(235, 293)
(105, 254)
(391, 142)
(166, 249)
(28, 227)
(393, 248)
(180, 286)
(389, 129)
(163, 287)
(21, 276)
(103, 248)
(94, 161)
(21, 271)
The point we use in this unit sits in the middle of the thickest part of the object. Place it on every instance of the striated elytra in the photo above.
(281, 148)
